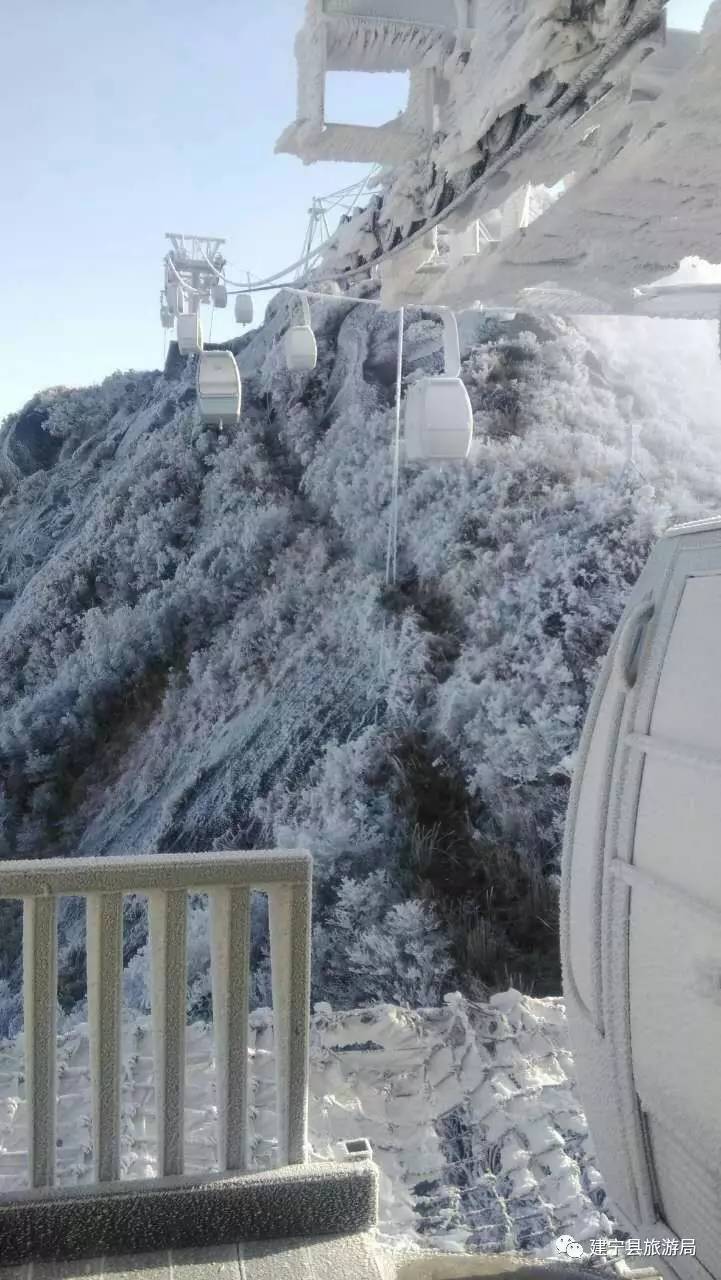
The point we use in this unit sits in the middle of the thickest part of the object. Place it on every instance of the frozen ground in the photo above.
(471, 1112)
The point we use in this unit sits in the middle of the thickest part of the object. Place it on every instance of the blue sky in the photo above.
(129, 118)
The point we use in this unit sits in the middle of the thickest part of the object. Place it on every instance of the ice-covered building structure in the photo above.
(413, 36)
(543, 157)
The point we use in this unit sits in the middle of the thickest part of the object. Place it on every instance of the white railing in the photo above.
(228, 879)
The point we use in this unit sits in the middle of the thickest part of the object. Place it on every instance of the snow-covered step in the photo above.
(303, 1200)
(354, 1257)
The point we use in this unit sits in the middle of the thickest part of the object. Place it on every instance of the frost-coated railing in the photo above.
(228, 879)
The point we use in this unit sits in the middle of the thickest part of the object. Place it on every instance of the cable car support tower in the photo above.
(193, 266)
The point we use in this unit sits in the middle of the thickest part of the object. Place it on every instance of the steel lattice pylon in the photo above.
(345, 200)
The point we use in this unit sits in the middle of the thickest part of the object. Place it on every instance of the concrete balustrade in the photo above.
(167, 879)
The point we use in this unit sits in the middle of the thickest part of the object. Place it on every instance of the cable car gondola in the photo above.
(438, 413)
(219, 388)
(301, 349)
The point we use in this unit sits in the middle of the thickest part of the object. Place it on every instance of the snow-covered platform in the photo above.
(350, 1257)
(309, 1200)
(356, 1257)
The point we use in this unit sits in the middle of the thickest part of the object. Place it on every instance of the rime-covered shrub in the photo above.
(372, 947)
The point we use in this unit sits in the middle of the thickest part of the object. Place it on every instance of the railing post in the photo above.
(290, 918)
(168, 914)
(40, 995)
(104, 944)
(230, 974)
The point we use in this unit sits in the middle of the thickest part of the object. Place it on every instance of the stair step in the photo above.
(351, 1257)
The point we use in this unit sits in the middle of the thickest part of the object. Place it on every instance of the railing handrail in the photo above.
(140, 873)
(167, 879)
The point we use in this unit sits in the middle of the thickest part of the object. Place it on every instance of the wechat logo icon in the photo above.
(569, 1247)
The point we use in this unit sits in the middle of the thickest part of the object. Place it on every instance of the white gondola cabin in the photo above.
(243, 308)
(438, 412)
(189, 334)
(219, 388)
(219, 295)
(438, 421)
(641, 904)
(301, 349)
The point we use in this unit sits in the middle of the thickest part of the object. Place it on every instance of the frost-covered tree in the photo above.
(372, 947)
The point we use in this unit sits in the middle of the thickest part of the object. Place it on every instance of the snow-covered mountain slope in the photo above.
(198, 648)
(471, 1112)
